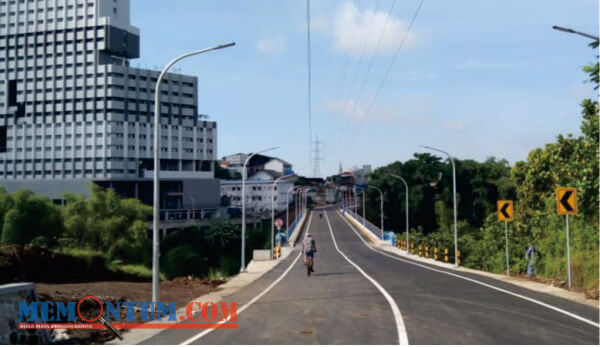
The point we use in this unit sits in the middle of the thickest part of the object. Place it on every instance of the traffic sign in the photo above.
(278, 223)
(506, 210)
(566, 201)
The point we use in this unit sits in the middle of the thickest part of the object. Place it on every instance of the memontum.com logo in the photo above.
(63, 315)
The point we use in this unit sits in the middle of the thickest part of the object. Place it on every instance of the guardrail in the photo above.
(187, 214)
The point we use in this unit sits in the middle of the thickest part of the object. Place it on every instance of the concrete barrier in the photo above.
(297, 229)
(364, 231)
(10, 296)
(261, 254)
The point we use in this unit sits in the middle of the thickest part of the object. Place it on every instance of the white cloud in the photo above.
(273, 45)
(491, 65)
(415, 110)
(351, 25)
(346, 108)
(458, 126)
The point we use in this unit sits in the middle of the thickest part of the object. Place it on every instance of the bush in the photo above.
(183, 260)
(31, 216)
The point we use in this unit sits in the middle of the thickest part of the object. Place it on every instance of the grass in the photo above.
(141, 271)
(81, 252)
(138, 270)
(216, 274)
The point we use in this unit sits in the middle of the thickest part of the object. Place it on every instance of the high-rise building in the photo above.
(73, 111)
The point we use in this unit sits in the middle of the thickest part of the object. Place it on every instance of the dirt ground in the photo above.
(181, 290)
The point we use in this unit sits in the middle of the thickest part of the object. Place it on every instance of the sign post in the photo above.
(566, 204)
(506, 213)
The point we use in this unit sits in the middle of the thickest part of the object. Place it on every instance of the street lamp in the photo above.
(364, 191)
(355, 201)
(193, 207)
(273, 209)
(156, 184)
(244, 174)
(380, 198)
(287, 209)
(406, 193)
(571, 31)
(454, 194)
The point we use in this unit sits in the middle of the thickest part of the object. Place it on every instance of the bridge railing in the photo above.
(368, 225)
(187, 214)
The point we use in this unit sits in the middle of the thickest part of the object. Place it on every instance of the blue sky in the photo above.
(478, 78)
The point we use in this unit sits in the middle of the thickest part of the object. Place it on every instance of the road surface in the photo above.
(360, 295)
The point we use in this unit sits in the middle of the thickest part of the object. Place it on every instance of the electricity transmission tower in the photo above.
(316, 158)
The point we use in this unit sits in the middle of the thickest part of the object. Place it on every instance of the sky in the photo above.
(477, 78)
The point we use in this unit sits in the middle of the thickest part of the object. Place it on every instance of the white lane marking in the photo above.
(260, 295)
(402, 336)
(560, 310)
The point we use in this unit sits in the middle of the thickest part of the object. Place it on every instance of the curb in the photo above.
(517, 281)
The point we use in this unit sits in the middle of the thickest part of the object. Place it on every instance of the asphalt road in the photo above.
(361, 296)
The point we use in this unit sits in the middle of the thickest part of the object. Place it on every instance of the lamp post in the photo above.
(244, 177)
(454, 195)
(355, 201)
(193, 207)
(406, 193)
(156, 183)
(363, 205)
(571, 31)
(273, 209)
(287, 209)
(381, 205)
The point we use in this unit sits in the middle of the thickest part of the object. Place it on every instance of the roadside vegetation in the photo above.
(570, 161)
(115, 231)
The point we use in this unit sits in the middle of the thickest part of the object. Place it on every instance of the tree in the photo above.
(31, 217)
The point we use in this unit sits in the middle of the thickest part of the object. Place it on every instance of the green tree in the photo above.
(31, 217)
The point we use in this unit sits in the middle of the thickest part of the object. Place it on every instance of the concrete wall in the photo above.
(10, 295)
(50, 188)
(206, 193)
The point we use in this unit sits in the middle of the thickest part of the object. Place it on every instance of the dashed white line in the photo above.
(402, 336)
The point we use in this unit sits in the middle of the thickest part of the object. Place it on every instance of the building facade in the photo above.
(258, 195)
(74, 112)
(235, 162)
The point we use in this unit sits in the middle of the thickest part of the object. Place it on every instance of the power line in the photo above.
(362, 85)
(362, 52)
(346, 61)
(370, 108)
(308, 58)
(389, 14)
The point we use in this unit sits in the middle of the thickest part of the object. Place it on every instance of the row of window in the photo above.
(100, 147)
(47, 56)
(69, 160)
(68, 172)
(152, 79)
(48, 21)
(117, 123)
(68, 74)
(45, 36)
(50, 8)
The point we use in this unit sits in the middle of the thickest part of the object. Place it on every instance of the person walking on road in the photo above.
(309, 248)
(531, 255)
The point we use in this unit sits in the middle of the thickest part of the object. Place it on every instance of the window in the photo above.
(12, 93)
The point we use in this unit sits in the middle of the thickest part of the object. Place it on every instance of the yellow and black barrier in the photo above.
(277, 251)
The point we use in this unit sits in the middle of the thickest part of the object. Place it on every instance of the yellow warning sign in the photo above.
(566, 201)
(506, 210)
